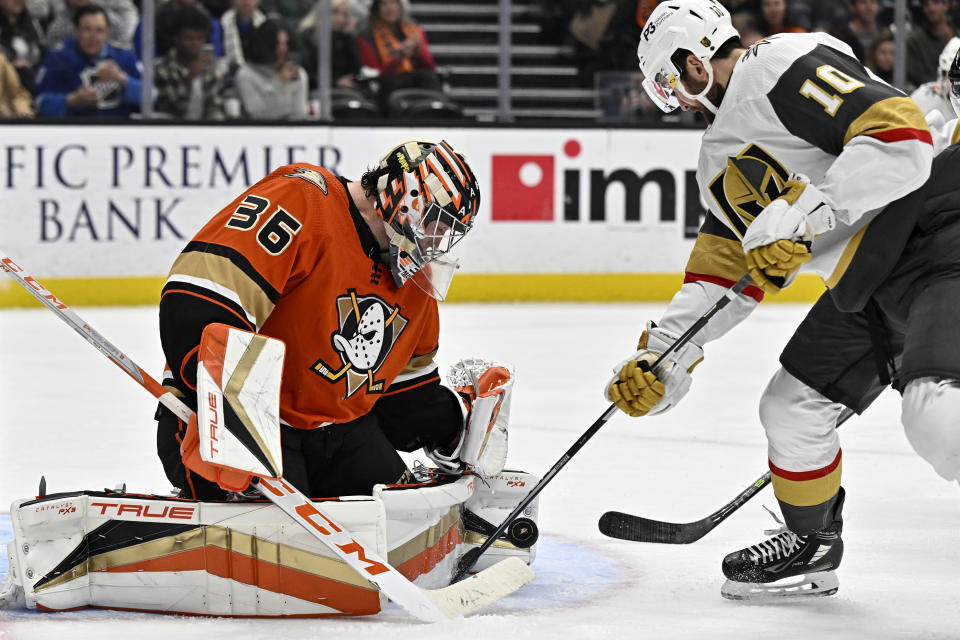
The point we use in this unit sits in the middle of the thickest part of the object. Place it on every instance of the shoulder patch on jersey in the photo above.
(312, 176)
(754, 50)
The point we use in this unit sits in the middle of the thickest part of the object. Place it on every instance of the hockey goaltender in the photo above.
(331, 286)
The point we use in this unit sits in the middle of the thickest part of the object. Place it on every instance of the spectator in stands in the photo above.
(397, 47)
(935, 95)
(290, 11)
(87, 76)
(189, 85)
(344, 55)
(927, 40)
(862, 27)
(270, 84)
(238, 23)
(880, 56)
(165, 28)
(122, 15)
(15, 100)
(21, 40)
(773, 18)
(827, 15)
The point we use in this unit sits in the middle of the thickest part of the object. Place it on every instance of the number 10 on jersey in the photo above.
(837, 79)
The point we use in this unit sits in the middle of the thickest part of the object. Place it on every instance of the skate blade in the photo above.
(812, 585)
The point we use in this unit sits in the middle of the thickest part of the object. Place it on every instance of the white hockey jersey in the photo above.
(801, 104)
(933, 96)
(944, 133)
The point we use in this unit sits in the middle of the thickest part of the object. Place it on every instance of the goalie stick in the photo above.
(430, 605)
(625, 526)
(470, 558)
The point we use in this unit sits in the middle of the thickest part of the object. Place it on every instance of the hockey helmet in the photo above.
(428, 199)
(947, 55)
(697, 26)
(953, 82)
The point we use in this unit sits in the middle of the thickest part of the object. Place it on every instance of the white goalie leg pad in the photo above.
(482, 446)
(929, 414)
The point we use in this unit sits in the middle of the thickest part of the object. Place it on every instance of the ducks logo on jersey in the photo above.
(750, 181)
(309, 175)
(369, 328)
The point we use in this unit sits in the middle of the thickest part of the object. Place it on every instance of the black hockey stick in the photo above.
(639, 529)
(470, 558)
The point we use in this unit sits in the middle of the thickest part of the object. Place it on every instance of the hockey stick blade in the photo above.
(429, 605)
(625, 526)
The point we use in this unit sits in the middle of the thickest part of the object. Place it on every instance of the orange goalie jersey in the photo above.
(291, 258)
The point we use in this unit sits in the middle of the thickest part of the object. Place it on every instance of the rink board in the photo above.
(99, 213)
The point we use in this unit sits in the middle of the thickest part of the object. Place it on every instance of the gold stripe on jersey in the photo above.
(891, 115)
(955, 136)
(416, 363)
(846, 257)
(221, 270)
(807, 492)
(716, 256)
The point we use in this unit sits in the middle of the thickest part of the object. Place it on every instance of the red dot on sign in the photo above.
(571, 148)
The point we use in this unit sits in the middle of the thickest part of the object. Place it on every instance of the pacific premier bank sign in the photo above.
(107, 201)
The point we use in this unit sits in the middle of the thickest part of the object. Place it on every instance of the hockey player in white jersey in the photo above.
(810, 161)
(934, 96)
(946, 127)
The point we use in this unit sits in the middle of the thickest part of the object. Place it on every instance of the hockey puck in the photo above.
(523, 533)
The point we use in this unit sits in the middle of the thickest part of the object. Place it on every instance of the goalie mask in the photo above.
(428, 199)
(697, 26)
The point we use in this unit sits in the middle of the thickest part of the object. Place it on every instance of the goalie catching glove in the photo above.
(485, 390)
(639, 390)
(777, 242)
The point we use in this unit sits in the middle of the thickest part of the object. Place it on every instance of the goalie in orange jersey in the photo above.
(347, 274)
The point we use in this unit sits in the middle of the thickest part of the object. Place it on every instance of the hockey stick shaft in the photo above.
(470, 558)
(427, 605)
(625, 526)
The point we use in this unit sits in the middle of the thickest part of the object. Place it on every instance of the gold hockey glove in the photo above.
(777, 242)
(638, 390)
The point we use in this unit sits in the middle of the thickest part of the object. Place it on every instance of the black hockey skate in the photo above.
(787, 565)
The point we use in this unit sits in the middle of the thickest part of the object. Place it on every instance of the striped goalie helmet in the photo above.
(428, 198)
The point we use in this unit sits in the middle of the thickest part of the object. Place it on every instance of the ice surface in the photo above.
(68, 413)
